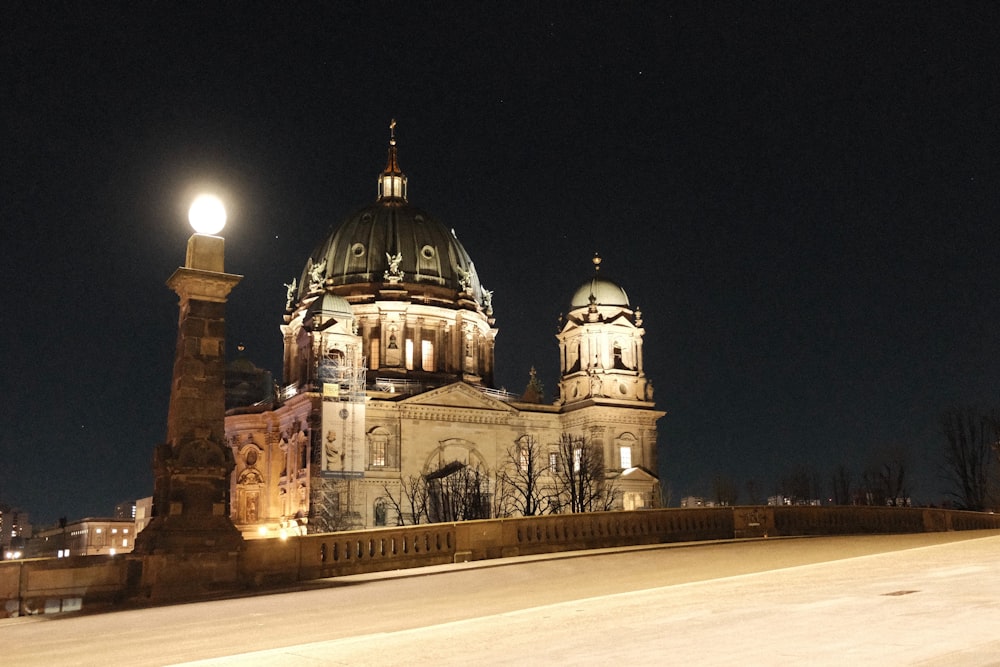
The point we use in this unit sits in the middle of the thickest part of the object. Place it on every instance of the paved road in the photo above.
(888, 600)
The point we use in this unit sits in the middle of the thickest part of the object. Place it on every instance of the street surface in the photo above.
(928, 599)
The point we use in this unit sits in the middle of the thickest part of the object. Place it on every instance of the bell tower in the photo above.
(600, 346)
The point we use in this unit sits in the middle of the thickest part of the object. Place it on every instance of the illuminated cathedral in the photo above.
(388, 380)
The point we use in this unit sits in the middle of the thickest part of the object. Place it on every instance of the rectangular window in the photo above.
(409, 354)
(427, 355)
(378, 454)
(554, 461)
(524, 458)
(577, 459)
(626, 457)
(373, 358)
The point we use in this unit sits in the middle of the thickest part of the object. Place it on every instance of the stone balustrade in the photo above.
(68, 584)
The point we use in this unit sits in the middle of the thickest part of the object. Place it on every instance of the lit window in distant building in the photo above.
(577, 459)
(554, 461)
(373, 357)
(409, 354)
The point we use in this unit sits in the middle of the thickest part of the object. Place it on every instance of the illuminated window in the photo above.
(524, 458)
(124, 543)
(577, 459)
(378, 453)
(373, 349)
(554, 461)
(409, 354)
(626, 457)
(378, 448)
(427, 355)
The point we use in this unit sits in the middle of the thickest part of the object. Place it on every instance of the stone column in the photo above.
(192, 468)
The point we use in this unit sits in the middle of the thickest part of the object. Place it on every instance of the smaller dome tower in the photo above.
(600, 346)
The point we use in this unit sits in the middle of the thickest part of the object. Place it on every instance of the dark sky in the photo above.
(802, 198)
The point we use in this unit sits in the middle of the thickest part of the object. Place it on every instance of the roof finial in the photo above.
(392, 181)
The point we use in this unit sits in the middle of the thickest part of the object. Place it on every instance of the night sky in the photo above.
(802, 198)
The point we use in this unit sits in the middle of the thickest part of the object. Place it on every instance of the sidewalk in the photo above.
(933, 605)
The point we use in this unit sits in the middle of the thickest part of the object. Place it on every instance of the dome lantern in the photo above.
(392, 181)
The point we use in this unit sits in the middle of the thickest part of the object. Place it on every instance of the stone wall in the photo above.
(69, 584)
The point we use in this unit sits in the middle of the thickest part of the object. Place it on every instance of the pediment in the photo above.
(458, 395)
(637, 474)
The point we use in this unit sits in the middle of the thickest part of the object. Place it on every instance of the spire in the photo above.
(392, 181)
(593, 283)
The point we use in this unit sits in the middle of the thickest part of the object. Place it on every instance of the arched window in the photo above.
(617, 359)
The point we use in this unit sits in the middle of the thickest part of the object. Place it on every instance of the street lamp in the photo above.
(207, 214)
(205, 250)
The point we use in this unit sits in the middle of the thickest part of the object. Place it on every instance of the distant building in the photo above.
(15, 530)
(86, 537)
(125, 510)
(143, 512)
(696, 501)
(787, 500)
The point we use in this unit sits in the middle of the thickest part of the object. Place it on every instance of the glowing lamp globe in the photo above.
(207, 215)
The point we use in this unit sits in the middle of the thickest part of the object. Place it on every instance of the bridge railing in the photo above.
(66, 584)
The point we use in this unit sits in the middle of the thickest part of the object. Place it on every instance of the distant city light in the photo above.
(207, 214)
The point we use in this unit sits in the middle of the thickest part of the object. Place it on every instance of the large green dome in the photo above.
(392, 245)
(362, 249)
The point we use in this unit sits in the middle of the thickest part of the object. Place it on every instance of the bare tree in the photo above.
(666, 490)
(458, 492)
(412, 502)
(580, 479)
(800, 485)
(840, 485)
(884, 482)
(970, 458)
(521, 479)
(726, 490)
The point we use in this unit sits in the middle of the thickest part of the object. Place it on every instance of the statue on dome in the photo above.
(464, 279)
(488, 301)
(290, 288)
(394, 275)
(317, 274)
